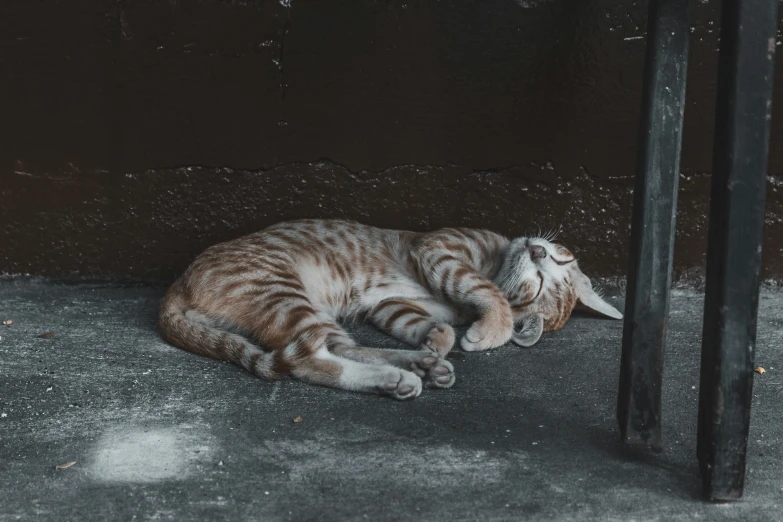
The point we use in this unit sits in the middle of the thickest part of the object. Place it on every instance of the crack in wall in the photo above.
(775, 179)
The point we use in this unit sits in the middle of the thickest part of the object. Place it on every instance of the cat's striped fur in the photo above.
(273, 302)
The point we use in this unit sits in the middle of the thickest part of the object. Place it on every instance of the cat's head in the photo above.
(543, 284)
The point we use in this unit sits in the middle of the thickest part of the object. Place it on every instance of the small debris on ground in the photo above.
(760, 370)
(8, 322)
(298, 419)
(66, 465)
(46, 335)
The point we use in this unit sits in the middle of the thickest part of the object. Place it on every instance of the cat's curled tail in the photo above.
(187, 329)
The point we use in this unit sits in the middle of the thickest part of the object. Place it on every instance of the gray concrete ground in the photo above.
(525, 434)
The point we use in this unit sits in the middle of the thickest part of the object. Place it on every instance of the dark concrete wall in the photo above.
(133, 134)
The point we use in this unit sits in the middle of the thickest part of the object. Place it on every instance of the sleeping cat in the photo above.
(273, 302)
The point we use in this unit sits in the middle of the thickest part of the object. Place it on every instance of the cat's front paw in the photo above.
(486, 333)
(440, 339)
(402, 385)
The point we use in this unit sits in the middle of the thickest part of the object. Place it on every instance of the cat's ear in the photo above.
(593, 301)
(529, 331)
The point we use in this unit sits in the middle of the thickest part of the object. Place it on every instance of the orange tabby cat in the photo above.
(273, 301)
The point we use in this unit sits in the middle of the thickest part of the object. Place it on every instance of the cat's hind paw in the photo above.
(436, 372)
(402, 386)
(441, 375)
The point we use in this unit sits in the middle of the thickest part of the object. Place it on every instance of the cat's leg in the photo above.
(436, 371)
(455, 280)
(328, 369)
(299, 337)
(423, 323)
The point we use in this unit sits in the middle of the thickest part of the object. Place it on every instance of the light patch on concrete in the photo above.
(135, 454)
(407, 462)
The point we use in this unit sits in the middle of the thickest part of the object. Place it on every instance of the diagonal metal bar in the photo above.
(653, 223)
(742, 123)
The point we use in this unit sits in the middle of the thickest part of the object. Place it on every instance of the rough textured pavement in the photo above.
(160, 434)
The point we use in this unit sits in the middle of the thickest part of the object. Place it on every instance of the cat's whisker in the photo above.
(549, 234)
(553, 233)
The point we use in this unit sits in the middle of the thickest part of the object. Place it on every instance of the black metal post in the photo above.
(743, 112)
(653, 223)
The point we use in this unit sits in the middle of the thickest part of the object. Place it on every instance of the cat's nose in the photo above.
(537, 251)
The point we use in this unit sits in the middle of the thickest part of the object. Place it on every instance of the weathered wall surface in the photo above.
(135, 133)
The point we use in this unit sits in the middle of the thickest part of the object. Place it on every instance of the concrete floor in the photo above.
(160, 434)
